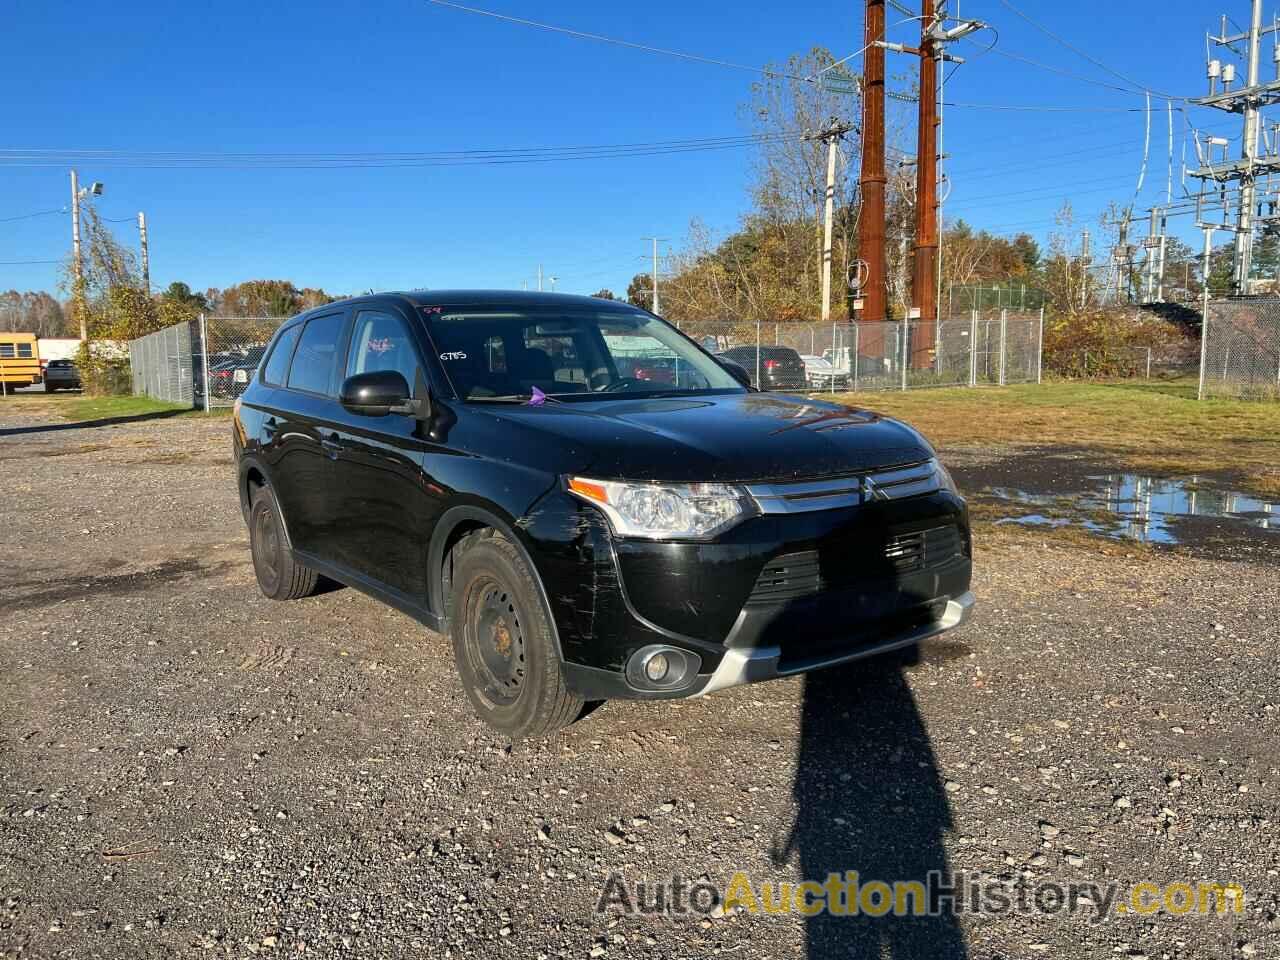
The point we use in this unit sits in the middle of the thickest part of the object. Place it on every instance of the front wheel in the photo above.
(503, 643)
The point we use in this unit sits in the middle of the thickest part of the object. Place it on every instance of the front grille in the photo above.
(795, 575)
(894, 484)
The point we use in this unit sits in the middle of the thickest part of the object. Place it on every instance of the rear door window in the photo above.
(313, 361)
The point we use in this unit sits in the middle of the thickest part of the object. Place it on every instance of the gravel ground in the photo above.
(189, 769)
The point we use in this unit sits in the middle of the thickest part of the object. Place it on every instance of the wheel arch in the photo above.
(456, 523)
(253, 476)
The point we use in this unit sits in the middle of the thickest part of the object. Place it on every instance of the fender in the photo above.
(247, 463)
(449, 522)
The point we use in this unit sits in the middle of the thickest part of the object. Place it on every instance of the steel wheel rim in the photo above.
(495, 643)
(267, 553)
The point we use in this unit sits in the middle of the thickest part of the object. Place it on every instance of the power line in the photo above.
(1143, 88)
(28, 216)
(122, 158)
(1010, 55)
(22, 263)
(600, 38)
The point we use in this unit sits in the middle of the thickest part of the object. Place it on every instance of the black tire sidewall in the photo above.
(262, 503)
(496, 559)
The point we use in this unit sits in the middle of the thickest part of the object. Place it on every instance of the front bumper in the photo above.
(780, 595)
(752, 665)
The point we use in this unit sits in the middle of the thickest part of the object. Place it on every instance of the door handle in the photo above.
(269, 427)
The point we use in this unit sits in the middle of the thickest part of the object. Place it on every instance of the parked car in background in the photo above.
(229, 377)
(485, 462)
(61, 375)
(780, 367)
(821, 375)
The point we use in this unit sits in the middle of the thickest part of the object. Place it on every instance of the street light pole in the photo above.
(655, 240)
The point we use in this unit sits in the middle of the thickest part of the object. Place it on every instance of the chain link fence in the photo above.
(174, 364)
(990, 347)
(235, 346)
(1240, 351)
(161, 365)
(1167, 361)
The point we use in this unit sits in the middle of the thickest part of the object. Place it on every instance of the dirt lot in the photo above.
(187, 768)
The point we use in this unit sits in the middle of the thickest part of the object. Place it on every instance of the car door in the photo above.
(301, 428)
(387, 506)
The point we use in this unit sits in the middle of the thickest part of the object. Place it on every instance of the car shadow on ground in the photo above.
(869, 798)
(90, 424)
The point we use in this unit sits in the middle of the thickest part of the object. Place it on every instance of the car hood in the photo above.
(732, 437)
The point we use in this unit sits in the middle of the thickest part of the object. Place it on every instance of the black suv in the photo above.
(497, 466)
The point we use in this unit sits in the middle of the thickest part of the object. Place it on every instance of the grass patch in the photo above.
(1157, 428)
(82, 408)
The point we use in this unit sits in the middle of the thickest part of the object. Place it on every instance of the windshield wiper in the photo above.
(529, 398)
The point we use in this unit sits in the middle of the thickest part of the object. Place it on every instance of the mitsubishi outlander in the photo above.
(586, 502)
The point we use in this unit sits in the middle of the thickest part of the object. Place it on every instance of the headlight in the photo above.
(945, 479)
(685, 511)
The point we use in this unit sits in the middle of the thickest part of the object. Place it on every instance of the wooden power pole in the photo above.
(924, 276)
(872, 180)
(146, 253)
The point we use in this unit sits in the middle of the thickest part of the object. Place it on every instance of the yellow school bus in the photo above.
(19, 360)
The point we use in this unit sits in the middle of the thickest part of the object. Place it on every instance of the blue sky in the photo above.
(404, 75)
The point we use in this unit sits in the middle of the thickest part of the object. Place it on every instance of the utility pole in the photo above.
(924, 275)
(1084, 269)
(871, 182)
(146, 258)
(1249, 151)
(539, 278)
(925, 271)
(655, 240)
(1247, 101)
(832, 136)
(1152, 245)
(77, 268)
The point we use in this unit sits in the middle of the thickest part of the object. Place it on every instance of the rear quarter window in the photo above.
(278, 364)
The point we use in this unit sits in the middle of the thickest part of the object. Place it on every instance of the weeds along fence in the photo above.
(1159, 362)
(1240, 349)
(980, 348)
(206, 363)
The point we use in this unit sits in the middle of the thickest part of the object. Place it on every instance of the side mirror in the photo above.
(376, 394)
(737, 371)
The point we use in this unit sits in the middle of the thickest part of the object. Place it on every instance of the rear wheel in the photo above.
(280, 577)
(49, 387)
(503, 642)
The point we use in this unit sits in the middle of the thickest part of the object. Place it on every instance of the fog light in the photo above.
(657, 667)
(662, 667)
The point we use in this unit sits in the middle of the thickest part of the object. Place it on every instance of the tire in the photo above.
(280, 577)
(503, 642)
(49, 387)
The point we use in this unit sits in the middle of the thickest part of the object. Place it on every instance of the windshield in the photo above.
(574, 353)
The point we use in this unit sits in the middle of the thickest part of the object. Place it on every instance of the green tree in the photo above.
(605, 294)
(179, 293)
(640, 291)
(114, 304)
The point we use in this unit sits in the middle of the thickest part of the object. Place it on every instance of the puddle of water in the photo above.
(1130, 506)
